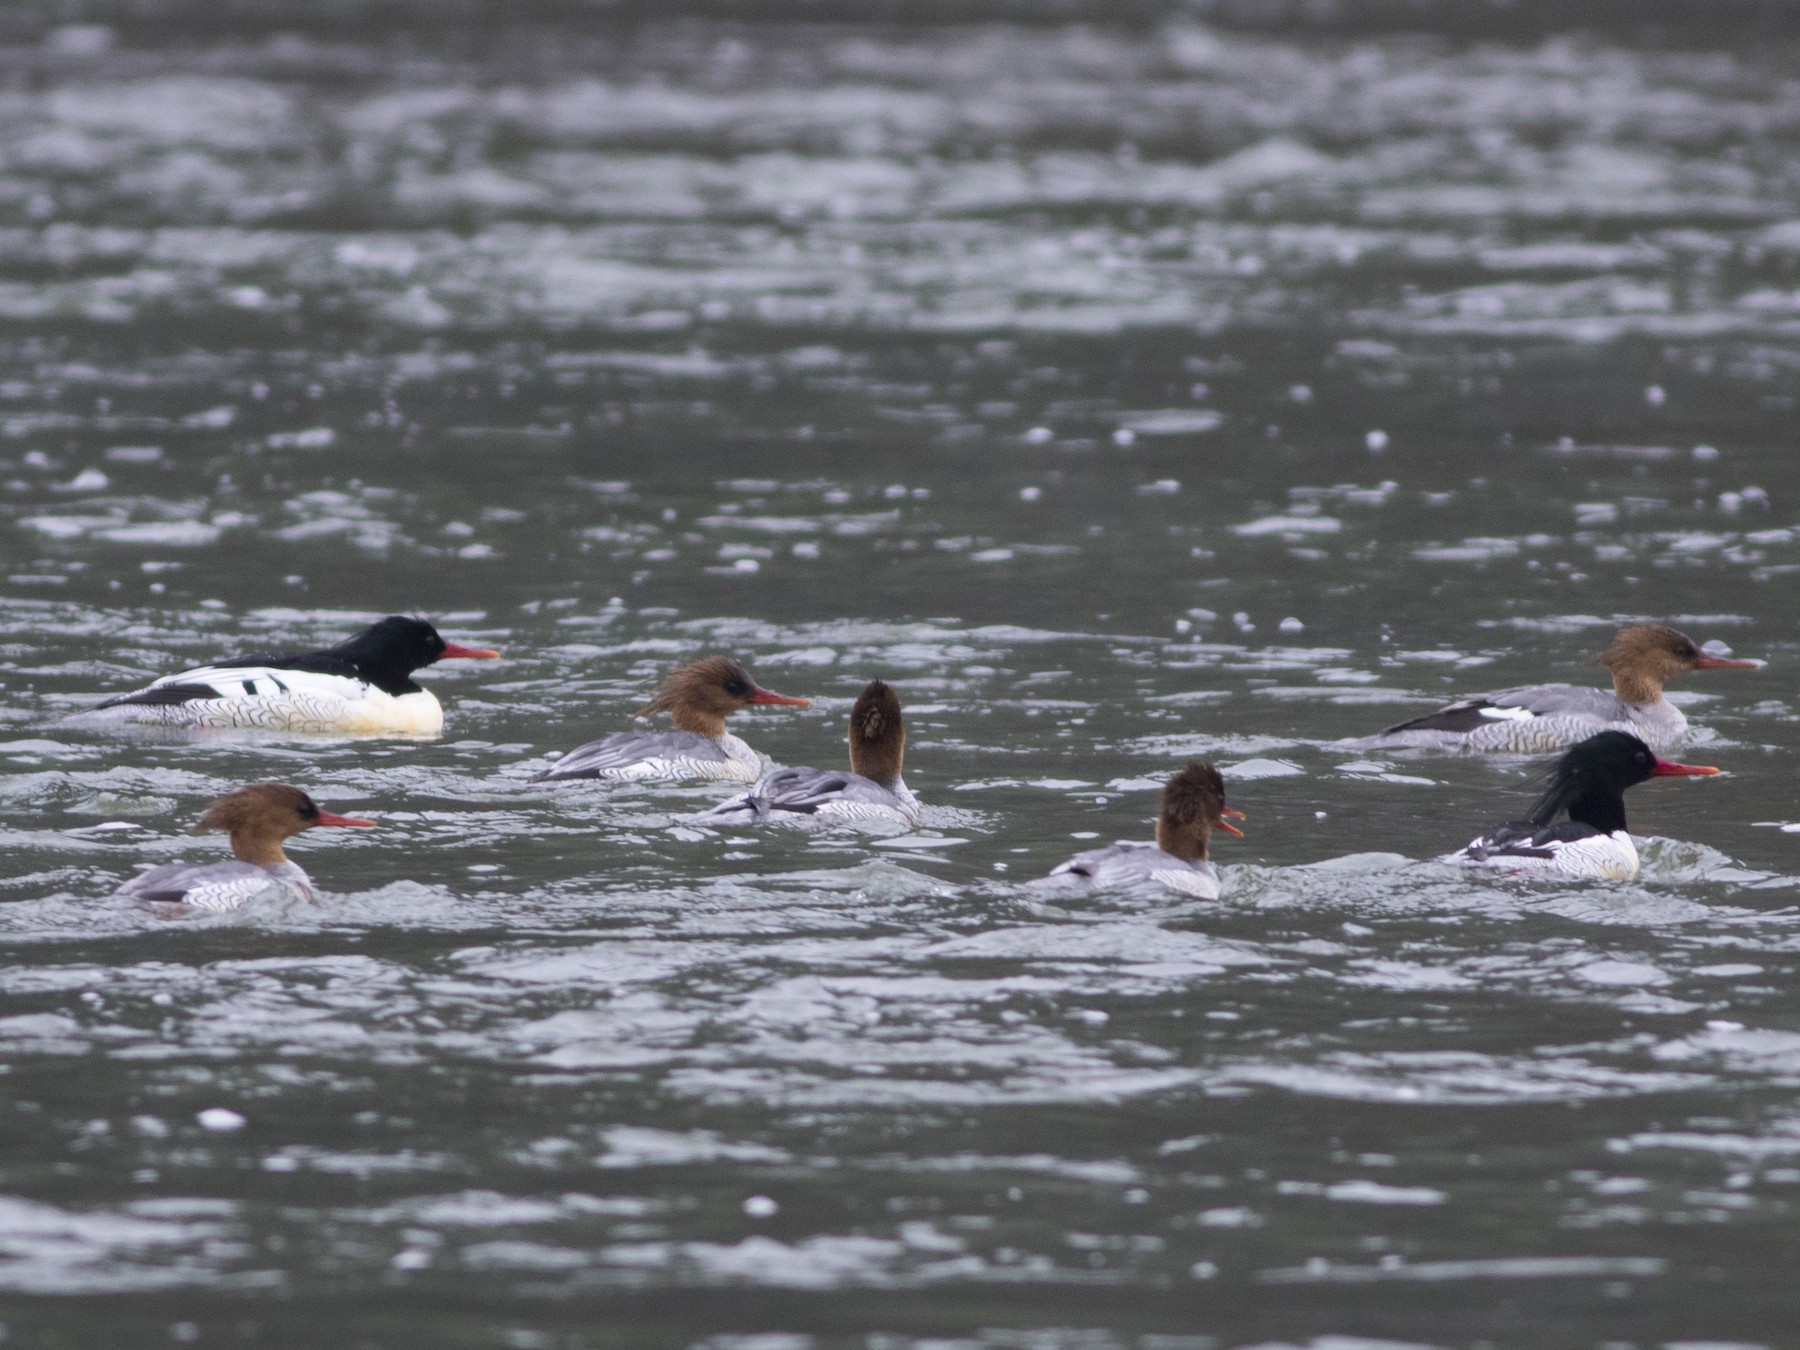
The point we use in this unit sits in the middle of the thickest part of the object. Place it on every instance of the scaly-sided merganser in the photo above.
(1589, 783)
(701, 696)
(364, 684)
(258, 819)
(871, 793)
(1193, 805)
(1540, 718)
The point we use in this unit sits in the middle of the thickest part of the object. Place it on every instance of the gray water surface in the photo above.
(1120, 393)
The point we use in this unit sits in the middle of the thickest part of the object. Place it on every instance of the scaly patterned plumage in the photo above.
(1536, 719)
(826, 795)
(1565, 849)
(629, 756)
(1544, 718)
(259, 819)
(267, 698)
(218, 887)
(873, 792)
(699, 696)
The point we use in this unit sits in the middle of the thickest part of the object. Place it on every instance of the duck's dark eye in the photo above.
(737, 688)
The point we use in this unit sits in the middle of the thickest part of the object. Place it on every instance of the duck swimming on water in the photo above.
(873, 792)
(1193, 806)
(364, 684)
(259, 820)
(699, 696)
(1541, 718)
(1587, 788)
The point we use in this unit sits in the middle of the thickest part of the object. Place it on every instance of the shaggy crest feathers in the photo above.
(258, 818)
(1647, 641)
(877, 733)
(702, 694)
(386, 653)
(266, 804)
(1193, 801)
(1588, 779)
(722, 674)
(1643, 656)
(419, 637)
(1588, 782)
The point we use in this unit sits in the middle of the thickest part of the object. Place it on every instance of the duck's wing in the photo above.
(1525, 839)
(210, 886)
(636, 753)
(242, 683)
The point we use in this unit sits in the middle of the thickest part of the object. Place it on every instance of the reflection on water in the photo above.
(1121, 393)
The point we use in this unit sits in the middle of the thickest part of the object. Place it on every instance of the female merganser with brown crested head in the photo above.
(871, 793)
(1193, 805)
(258, 819)
(700, 696)
(1588, 783)
(364, 684)
(1539, 718)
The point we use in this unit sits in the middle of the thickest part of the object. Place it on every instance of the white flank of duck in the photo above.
(1587, 788)
(362, 685)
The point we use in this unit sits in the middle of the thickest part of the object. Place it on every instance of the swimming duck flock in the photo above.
(363, 686)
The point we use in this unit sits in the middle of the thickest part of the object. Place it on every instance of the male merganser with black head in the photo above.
(364, 684)
(871, 793)
(258, 819)
(1589, 784)
(1539, 718)
(1193, 805)
(700, 696)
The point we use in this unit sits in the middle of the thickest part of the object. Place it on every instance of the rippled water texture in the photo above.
(1120, 393)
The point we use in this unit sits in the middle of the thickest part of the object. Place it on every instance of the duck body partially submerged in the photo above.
(1587, 788)
(1122, 866)
(1193, 806)
(826, 795)
(218, 887)
(699, 697)
(1545, 718)
(871, 793)
(258, 819)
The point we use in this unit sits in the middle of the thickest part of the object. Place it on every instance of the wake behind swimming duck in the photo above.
(364, 684)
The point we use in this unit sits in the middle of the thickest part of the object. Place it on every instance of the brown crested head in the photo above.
(877, 733)
(1642, 656)
(259, 817)
(1193, 806)
(703, 693)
